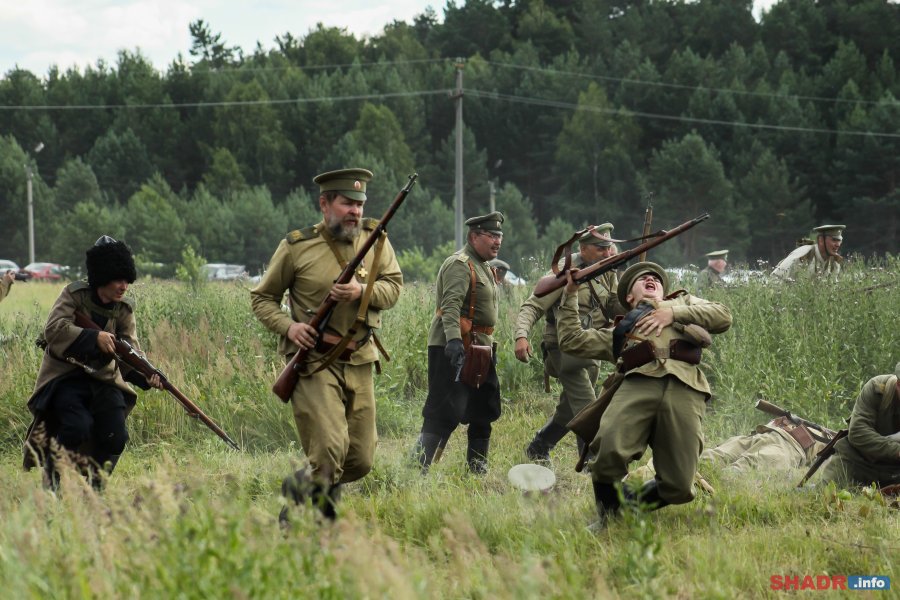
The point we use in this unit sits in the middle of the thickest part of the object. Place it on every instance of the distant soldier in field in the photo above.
(81, 398)
(467, 299)
(662, 398)
(6, 282)
(711, 276)
(501, 268)
(334, 401)
(597, 307)
(817, 258)
(871, 451)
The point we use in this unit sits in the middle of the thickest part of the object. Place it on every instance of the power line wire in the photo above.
(679, 86)
(469, 91)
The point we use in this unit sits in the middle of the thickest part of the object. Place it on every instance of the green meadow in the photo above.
(184, 516)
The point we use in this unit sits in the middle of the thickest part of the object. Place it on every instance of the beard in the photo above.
(345, 232)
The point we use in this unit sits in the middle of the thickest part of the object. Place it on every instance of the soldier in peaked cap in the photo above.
(334, 401)
(818, 258)
(712, 275)
(662, 398)
(597, 307)
(871, 451)
(82, 395)
(467, 305)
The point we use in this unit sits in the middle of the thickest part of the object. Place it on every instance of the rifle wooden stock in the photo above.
(287, 380)
(822, 456)
(772, 409)
(587, 422)
(550, 283)
(125, 353)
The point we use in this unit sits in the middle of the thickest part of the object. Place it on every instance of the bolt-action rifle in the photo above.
(287, 380)
(823, 455)
(648, 223)
(126, 354)
(550, 283)
(767, 407)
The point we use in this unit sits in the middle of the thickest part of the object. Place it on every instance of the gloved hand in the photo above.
(456, 353)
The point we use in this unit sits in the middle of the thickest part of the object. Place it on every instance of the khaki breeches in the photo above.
(769, 450)
(335, 414)
(662, 413)
(577, 377)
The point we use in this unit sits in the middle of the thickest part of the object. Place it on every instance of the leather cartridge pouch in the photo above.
(800, 433)
(644, 352)
(477, 366)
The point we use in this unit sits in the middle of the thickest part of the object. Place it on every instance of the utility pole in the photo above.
(29, 176)
(493, 197)
(458, 203)
(30, 195)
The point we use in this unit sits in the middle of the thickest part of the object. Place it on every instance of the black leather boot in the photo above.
(301, 487)
(649, 496)
(544, 441)
(607, 498)
(425, 449)
(476, 455)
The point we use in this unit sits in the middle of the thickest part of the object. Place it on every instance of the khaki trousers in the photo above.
(335, 414)
(662, 413)
(577, 377)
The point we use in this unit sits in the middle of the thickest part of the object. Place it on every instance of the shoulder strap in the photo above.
(471, 291)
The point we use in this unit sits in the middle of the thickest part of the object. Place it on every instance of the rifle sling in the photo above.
(339, 348)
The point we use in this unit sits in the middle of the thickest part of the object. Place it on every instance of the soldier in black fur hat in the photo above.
(81, 397)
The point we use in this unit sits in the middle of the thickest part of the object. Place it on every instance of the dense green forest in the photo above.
(575, 111)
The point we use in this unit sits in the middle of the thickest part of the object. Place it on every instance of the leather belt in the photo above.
(645, 352)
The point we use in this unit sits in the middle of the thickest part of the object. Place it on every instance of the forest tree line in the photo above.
(575, 111)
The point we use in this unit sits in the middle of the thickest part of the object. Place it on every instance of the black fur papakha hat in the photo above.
(108, 260)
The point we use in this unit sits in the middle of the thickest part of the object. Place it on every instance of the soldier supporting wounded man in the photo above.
(597, 307)
(334, 401)
(662, 399)
(467, 306)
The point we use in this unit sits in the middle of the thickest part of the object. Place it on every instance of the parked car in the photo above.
(223, 272)
(8, 265)
(44, 271)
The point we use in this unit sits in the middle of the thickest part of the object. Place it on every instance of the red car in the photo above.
(42, 271)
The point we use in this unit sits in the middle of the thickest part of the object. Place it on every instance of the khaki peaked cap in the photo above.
(490, 222)
(723, 254)
(833, 231)
(604, 230)
(633, 272)
(350, 183)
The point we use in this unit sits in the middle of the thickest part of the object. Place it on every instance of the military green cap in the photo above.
(834, 231)
(350, 183)
(499, 264)
(490, 222)
(723, 254)
(633, 272)
(605, 233)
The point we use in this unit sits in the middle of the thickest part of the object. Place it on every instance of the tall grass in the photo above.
(186, 517)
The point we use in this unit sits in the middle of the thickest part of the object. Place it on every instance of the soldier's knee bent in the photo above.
(357, 469)
(74, 430)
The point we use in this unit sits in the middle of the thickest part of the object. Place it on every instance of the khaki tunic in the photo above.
(868, 454)
(809, 259)
(708, 278)
(597, 307)
(660, 404)
(452, 297)
(4, 288)
(450, 402)
(334, 409)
